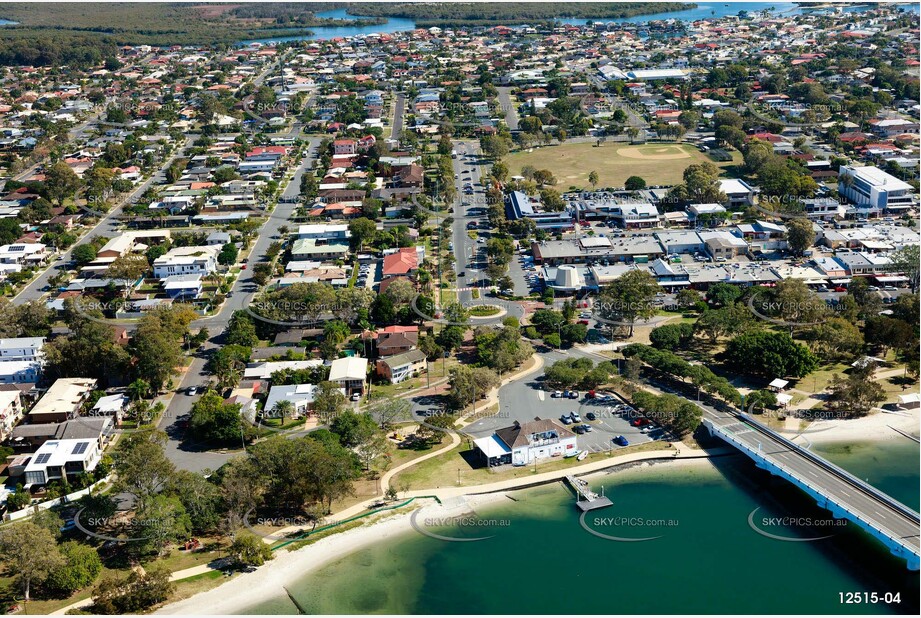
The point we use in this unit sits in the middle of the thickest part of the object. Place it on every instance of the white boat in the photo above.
(582, 456)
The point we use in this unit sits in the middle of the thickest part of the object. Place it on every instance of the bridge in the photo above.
(846, 496)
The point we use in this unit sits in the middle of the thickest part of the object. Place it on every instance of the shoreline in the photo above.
(876, 427)
(288, 567)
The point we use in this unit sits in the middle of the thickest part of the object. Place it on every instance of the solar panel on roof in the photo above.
(43, 458)
(80, 448)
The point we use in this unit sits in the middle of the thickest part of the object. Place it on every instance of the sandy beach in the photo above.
(290, 566)
(875, 427)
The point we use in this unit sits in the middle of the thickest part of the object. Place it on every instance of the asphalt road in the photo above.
(107, 226)
(195, 456)
(399, 105)
(511, 114)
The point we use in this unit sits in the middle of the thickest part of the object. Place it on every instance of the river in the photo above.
(706, 559)
(702, 11)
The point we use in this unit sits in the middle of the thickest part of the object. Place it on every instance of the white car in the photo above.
(356, 397)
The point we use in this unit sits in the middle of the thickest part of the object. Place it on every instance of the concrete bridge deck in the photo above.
(833, 488)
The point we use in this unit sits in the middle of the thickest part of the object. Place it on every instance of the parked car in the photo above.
(573, 394)
(590, 416)
(565, 419)
(621, 441)
(575, 417)
(356, 397)
(193, 390)
(556, 394)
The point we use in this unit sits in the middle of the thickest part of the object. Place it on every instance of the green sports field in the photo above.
(657, 164)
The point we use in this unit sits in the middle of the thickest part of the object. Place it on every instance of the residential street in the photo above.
(107, 226)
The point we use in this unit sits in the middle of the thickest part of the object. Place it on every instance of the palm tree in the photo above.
(283, 409)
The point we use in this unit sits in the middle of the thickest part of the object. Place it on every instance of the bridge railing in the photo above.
(827, 465)
(815, 490)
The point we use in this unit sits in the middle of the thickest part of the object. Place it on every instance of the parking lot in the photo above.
(609, 421)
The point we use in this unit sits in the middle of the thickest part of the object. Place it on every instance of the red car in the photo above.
(840, 288)
(583, 322)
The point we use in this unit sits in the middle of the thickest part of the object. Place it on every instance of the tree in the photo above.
(353, 429)
(61, 183)
(137, 591)
(671, 336)
(835, 339)
(593, 179)
(723, 294)
(9, 230)
(769, 354)
(906, 261)
(157, 348)
(128, 268)
(163, 520)
(468, 384)
(450, 338)
(79, 569)
(724, 322)
(628, 298)
(241, 330)
(213, 420)
(390, 410)
(142, 468)
(30, 552)
(856, 394)
(328, 402)
(800, 235)
(363, 232)
(248, 550)
(228, 254)
(83, 254)
(200, 497)
(634, 183)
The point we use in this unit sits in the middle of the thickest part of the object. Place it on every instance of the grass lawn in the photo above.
(444, 470)
(657, 164)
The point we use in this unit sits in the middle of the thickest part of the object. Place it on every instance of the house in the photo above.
(403, 366)
(524, 443)
(100, 429)
(182, 286)
(301, 397)
(264, 370)
(345, 147)
(10, 412)
(187, 261)
(403, 262)
(349, 373)
(62, 401)
(21, 348)
(56, 459)
(396, 340)
(110, 405)
(25, 254)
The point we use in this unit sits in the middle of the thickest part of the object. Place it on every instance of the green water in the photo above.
(707, 559)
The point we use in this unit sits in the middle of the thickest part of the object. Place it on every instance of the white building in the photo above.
(300, 395)
(187, 261)
(871, 187)
(523, 443)
(56, 459)
(10, 412)
(21, 360)
(349, 373)
(23, 253)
